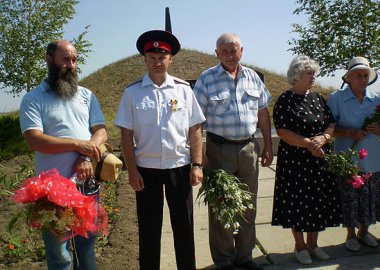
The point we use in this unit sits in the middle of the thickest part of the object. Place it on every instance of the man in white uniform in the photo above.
(159, 113)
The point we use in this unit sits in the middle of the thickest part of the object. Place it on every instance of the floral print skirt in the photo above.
(362, 205)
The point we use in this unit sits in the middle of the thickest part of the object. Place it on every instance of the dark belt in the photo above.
(219, 139)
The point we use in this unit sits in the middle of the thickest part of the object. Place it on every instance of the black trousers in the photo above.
(150, 201)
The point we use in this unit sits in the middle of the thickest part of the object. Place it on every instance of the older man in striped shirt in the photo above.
(234, 100)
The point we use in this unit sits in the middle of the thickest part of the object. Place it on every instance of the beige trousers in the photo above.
(241, 161)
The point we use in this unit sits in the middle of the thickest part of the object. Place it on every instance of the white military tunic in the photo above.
(160, 117)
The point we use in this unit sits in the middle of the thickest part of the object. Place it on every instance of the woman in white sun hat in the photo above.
(350, 106)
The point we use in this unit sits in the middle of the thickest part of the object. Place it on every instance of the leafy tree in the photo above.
(26, 27)
(337, 31)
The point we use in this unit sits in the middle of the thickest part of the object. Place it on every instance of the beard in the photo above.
(63, 81)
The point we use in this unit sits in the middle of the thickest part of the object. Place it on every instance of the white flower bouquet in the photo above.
(227, 197)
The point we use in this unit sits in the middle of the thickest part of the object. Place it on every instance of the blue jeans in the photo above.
(58, 253)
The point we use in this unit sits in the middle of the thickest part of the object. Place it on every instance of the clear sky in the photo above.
(263, 25)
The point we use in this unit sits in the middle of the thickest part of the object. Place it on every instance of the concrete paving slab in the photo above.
(264, 211)
(278, 242)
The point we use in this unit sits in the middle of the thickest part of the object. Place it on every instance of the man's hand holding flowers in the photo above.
(59, 207)
(83, 168)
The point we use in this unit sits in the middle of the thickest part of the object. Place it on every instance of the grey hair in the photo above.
(228, 38)
(300, 64)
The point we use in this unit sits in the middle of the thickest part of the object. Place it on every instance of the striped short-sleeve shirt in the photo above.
(231, 109)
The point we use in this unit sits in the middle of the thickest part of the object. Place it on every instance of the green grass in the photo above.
(12, 142)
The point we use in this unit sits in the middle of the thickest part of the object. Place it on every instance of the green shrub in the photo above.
(12, 142)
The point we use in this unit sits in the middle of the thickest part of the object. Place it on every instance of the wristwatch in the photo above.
(194, 164)
(86, 158)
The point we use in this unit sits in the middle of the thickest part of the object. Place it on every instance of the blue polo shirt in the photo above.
(44, 110)
(349, 113)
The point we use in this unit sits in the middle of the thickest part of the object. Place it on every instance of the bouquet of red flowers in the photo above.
(57, 206)
(342, 164)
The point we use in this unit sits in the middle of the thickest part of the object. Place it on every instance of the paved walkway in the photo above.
(275, 240)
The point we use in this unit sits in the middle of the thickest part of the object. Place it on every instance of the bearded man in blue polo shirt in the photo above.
(62, 122)
(234, 101)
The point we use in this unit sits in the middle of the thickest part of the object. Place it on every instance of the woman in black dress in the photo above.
(305, 195)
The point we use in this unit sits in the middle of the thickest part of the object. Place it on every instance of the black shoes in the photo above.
(250, 265)
(228, 267)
